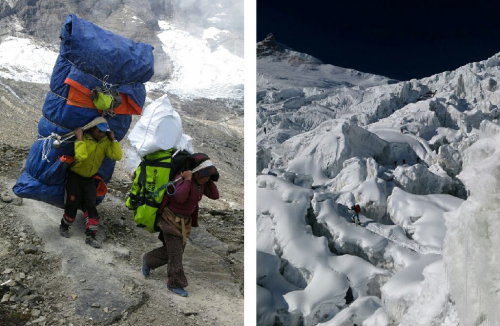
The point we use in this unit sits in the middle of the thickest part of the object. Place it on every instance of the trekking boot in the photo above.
(64, 230)
(145, 268)
(179, 291)
(359, 222)
(92, 241)
(353, 220)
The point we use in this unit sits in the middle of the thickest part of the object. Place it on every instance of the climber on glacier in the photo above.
(90, 150)
(355, 209)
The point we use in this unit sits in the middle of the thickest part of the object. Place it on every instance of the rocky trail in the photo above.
(50, 280)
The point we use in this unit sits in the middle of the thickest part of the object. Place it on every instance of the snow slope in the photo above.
(22, 59)
(421, 159)
(199, 70)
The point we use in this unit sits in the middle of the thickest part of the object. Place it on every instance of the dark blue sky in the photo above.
(402, 40)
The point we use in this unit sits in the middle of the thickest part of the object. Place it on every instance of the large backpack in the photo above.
(149, 186)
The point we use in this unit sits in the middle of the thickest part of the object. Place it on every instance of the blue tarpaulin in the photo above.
(89, 56)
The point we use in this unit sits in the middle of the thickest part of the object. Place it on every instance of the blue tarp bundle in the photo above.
(90, 57)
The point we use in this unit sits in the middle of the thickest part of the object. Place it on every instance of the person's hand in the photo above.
(79, 134)
(187, 174)
(111, 135)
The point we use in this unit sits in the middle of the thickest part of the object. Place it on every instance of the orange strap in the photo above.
(102, 189)
(79, 95)
(67, 159)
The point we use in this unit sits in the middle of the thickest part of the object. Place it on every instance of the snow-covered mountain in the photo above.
(421, 159)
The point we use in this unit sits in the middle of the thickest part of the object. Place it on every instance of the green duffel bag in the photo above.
(149, 186)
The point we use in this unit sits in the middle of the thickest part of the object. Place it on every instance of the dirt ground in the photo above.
(50, 280)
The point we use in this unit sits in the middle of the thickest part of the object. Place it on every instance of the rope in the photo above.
(203, 165)
(53, 137)
(104, 80)
(59, 95)
(46, 150)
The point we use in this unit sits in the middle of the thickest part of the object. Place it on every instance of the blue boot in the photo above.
(180, 291)
(145, 268)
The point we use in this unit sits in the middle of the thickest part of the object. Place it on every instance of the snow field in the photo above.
(21, 59)
(197, 68)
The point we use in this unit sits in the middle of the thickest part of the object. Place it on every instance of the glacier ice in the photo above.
(421, 159)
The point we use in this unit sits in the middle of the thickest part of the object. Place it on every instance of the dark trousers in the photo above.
(171, 254)
(81, 193)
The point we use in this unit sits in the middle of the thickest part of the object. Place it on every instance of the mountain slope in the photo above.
(417, 156)
(81, 287)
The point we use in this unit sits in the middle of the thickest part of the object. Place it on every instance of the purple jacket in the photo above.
(186, 198)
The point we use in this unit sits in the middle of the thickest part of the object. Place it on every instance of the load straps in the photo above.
(55, 140)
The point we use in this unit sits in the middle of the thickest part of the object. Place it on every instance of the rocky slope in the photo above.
(51, 281)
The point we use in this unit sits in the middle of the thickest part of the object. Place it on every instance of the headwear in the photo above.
(103, 126)
(204, 166)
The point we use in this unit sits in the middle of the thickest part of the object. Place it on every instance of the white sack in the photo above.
(186, 143)
(132, 160)
(159, 128)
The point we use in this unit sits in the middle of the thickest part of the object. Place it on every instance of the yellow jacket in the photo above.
(89, 154)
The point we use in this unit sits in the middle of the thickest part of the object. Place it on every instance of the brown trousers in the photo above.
(174, 231)
(171, 254)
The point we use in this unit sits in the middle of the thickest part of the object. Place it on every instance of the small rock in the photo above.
(5, 297)
(74, 296)
(83, 280)
(29, 249)
(39, 320)
(58, 307)
(190, 313)
(35, 313)
(21, 275)
(122, 253)
(33, 299)
(7, 271)
(7, 199)
(106, 309)
(96, 305)
(17, 201)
